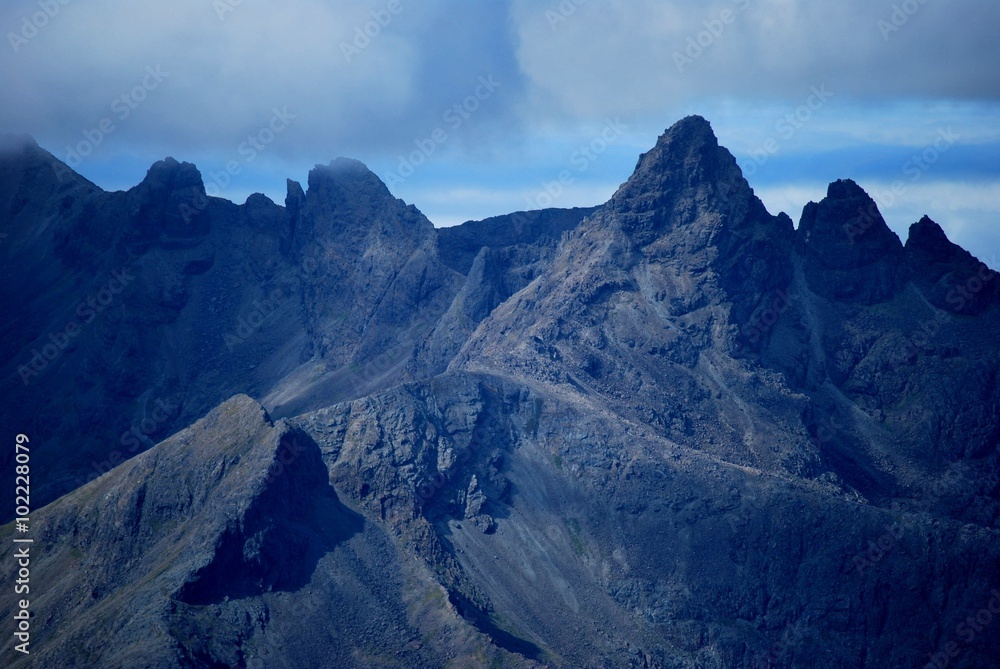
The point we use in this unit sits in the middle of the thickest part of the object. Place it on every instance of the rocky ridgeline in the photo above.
(671, 431)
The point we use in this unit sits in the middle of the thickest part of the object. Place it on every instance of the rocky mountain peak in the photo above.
(346, 179)
(690, 137)
(850, 253)
(170, 202)
(927, 236)
(685, 178)
(28, 171)
(950, 277)
(686, 154)
(168, 175)
(348, 201)
(847, 214)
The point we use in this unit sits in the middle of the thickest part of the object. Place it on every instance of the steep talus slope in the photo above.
(581, 540)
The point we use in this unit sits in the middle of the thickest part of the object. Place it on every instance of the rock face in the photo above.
(849, 252)
(140, 311)
(672, 431)
(211, 549)
(642, 302)
(948, 275)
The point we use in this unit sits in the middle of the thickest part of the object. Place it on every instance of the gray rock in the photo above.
(672, 431)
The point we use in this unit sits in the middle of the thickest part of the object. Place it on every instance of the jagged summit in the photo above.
(343, 166)
(27, 166)
(927, 236)
(686, 180)
(693, 133)
(849, 251)
(949, 276)
(667, 431)
(345, 199)
(685, 155)
(847, 212)
(346, 178)
(168, 175)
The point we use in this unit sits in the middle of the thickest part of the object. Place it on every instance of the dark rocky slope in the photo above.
(226, 546)
(139, 311)
(687, 435)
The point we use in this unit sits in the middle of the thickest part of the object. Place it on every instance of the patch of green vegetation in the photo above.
(579, 548)
(532, 424)
(434, 597)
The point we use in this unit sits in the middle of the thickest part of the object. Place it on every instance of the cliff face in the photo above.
(226, 546)
(672, 431)
(139, 311)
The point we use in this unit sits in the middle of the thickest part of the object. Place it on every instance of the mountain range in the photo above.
(674, 430)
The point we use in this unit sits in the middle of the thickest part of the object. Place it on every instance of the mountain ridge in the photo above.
(670, 431)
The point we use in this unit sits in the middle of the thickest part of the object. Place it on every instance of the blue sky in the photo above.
(471, 109)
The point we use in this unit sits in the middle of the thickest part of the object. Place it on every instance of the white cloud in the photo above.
(561, 81)
(646, 55)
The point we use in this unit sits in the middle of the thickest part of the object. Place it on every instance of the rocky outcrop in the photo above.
(948, 275)
(849, 253)
(214, 548)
